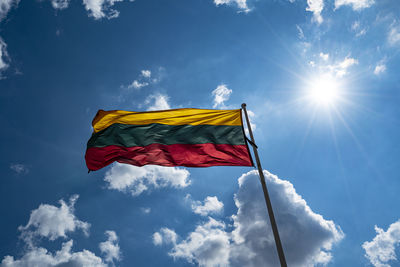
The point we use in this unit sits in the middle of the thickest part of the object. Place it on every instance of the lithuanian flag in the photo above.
(178, 137)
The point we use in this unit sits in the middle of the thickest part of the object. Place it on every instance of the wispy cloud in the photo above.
(5, 7)
(59, 4)
(381, 250)
(19, 168)
(380, 68)
(3, 56)
(241, 4)
(356, 27)
(394, 34)
(355, 4)
(143, 80)
(300, 32)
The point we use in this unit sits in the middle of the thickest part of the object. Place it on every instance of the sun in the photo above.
(324, 90)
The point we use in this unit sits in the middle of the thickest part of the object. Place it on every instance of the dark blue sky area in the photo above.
(320, 79)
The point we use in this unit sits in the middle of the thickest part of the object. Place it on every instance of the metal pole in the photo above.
(266, 195)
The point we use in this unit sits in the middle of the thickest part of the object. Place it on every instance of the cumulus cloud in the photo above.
(210, 205)
(308, 238)
(5, 7)
(52, 222)
(221, 94)
(99, 9)
(316, 7)
(146, 73)
(241, 4)
(19, 168)
(136, 180)
(298, 224)
(164, 236)
(157, 102)
(381, 250)
(355, 4)
(207, 245)
(39, 256)
(110, 248)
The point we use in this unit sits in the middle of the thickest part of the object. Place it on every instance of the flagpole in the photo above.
(266, 195)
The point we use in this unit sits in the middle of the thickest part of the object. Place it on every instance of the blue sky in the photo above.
(320, 79)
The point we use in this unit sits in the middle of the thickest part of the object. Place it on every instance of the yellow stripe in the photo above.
(185, 116)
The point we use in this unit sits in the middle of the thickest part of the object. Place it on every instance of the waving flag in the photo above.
(178, 137)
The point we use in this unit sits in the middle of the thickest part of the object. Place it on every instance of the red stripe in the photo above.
(199, 155)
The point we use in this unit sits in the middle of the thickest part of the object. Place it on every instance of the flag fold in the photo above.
(178, 137)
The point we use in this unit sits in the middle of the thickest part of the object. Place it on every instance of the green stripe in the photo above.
(143, 135)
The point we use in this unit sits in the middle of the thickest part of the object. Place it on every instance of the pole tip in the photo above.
(244, 105)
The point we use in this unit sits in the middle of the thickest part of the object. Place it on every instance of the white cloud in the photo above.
(59, 4)
(340, 69)
(145, 210)
(157, 102)
(207, 245)
(39, 256)
(241, 4)
(164, 236)
(5, 6)
(146, 73)
(394, 34)
(210, 205)
(300, 32)
(137, 85)
(316, 7)
(99, 9)
(298, 224)
(381, 249)
(3, 55)
(136, 180)
(355, 4)
(307, 237)
(356, 27)
(110, 248)
(221, 94)
(143, 80)
(19, 168)
(52, 222)
(379, 69)
(325, 57)
(252, 124)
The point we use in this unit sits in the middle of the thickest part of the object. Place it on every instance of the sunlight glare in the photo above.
(324, 90)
